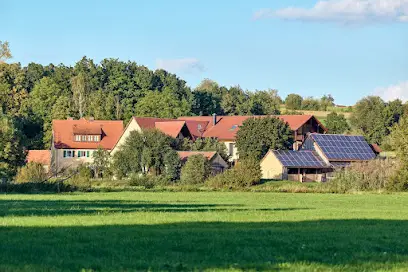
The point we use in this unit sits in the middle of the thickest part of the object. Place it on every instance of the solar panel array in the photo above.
(342, 147)
(301, 159)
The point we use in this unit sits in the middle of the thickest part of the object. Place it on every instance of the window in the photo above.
(87, 154)
(77, 138)
(87, 138)
(69, 153)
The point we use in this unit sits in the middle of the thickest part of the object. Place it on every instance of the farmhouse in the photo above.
(74, 141)
(225, 128)
(218, 164)
(320, 155)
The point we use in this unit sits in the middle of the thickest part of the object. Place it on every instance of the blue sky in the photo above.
(348, 48)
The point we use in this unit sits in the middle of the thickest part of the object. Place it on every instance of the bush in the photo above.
(365, 176)
(196, 170)
(148, 181)
(31, 172)
(37, 187)
(245, 174)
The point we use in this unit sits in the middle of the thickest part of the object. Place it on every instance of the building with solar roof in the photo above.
(303, 165)
(339, 150)
(319, 156)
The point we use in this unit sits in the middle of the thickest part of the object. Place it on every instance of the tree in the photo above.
(163, 105)
(5, 52)
(31, 172)
(309, 103)
(293, 102)
(265, 102)
(371, 118)
(258, 135)
(336, 123)
(196, 170)
(399, 142)
(236, 102)
(205, 103)
(326, 101)
(80, 91)
(172, 165)
(143, 152)
(100, 162)
(12, 154)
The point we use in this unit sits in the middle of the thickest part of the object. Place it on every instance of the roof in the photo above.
(300, 159)
(376, 148)
(227, 126)
(149, 122)
(64, 133)
(39, 156)
(184, 155)
(343, 147)
(172, 129)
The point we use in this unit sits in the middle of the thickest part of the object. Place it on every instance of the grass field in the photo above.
(203, 231)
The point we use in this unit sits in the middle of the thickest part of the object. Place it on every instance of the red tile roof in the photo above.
(64, 133)
(227, 126)
(39, 156)
(184, 155)
(149, 122)
(376, 148)
(172, 129)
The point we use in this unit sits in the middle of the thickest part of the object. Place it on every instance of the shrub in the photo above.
(365, 176)
(245, 174)
(196, 170)
(31, 172)
(148, 181)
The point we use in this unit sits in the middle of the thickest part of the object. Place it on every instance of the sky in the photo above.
(346, 48)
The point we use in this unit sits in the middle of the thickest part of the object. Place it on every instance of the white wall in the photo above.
(233, 151)
(132, 126)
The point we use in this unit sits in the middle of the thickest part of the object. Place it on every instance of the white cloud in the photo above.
(399, 91)
(188, 65)
(344, 11)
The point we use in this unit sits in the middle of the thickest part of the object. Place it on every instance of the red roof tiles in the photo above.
(227, 126)
(39, 156)
(184, 155)
(64, 132)
(172, 129)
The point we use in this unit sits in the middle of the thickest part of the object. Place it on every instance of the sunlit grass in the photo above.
(214, 231)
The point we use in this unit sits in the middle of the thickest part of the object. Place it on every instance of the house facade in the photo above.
(75, 141)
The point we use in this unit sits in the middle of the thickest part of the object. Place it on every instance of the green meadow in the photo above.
(203, 231)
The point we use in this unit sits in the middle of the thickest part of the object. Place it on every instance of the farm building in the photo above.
(320, 155)
(293, 165)
(218, 164)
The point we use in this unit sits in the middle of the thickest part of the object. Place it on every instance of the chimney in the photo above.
(214, 119)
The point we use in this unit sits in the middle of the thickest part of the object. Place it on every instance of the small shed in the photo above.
(293, 165)
(218, 164)
(40, 156)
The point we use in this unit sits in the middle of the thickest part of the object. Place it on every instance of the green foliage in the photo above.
(101, 163)
(31, 172)
(5, 52)
(265, 102)
(310, 103)
(196, 170)
(245, 174)
(336, 123)
(375, 175)
(373, 118)
(142, 152)
(258, 135)
(162, 104)
(399, 143)
(205, 144)
(293, 102)
(12, 155)
(172, 165)
(326, 101)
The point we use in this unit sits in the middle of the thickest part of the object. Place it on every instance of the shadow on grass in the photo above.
(82, 207)
(326, 244)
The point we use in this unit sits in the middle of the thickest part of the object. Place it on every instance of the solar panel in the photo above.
(301, 159)
(343, 147)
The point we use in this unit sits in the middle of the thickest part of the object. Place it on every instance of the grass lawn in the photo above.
(203, 231)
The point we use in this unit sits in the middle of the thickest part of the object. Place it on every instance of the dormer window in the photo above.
(87, 138)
